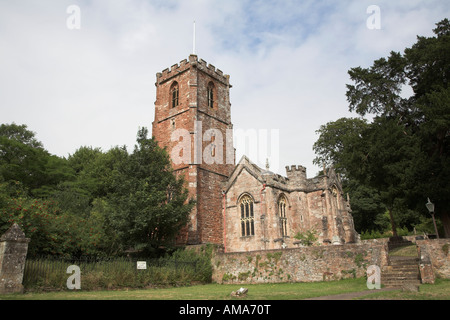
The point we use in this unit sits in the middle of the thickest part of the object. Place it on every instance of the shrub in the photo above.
(307, 238)
(183, 267)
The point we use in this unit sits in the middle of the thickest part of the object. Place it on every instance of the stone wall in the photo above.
(187, 132)
(13, 252)
(314, 205)
(305, 264)
(434, 259)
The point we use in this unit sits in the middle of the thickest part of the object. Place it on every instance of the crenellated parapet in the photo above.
(296, 175)
(295, 168)
(192, 62)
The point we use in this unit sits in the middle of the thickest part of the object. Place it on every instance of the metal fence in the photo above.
(50, 273)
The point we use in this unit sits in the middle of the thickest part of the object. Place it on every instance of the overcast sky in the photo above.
(287, 61)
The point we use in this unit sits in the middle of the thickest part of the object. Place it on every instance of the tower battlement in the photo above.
(186, 64)
(296, 174)
(295, 168)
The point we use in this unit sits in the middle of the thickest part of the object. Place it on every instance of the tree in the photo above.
(372, 158)
(336, 143)
(148, 203)
(424, 117)
(389, 149)
(94, 178)
(21, 134)
(367, 207)
(23, 158)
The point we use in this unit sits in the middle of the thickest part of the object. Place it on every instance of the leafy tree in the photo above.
(373, 158)
(148, 202)
(23, 158)
(404, 152)
(94, 177)
(367, 207)
(83, 157)
(21, 134)
(336, 143)
(52, 231)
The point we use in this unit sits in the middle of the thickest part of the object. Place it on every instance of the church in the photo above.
(241, 207)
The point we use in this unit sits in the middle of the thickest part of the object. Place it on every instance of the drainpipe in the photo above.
(264, 226)
(224, 223)
(263, 188)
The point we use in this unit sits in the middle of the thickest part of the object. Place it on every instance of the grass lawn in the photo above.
(280, 291)
(407, 251)
(440, 290)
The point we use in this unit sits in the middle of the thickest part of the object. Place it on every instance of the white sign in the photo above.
(141, 265)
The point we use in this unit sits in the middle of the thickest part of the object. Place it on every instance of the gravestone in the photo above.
(13, 252)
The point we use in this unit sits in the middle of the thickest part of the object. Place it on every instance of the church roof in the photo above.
(322, 182)
(244, 164)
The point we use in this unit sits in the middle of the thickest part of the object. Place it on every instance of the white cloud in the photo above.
(288, 63)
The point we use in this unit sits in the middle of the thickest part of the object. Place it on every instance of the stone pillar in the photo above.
(425, 265)
(13, 252)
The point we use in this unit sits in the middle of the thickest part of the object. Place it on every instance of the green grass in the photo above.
(281, 291)
(407, 251)
(440, 290)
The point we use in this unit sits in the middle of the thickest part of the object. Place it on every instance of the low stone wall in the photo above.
(434, 259)
(305, 264)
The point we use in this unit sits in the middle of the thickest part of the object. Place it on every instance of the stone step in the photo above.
(409, 274)
(401, 261)
(387, 281)
(404, 268)
(400, 277)
(400, 284)
(401, 271)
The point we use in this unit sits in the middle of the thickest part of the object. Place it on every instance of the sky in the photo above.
(83, 72)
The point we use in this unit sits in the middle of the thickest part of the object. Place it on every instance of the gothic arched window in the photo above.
(247, 216)
(174, 93)
(282, 215)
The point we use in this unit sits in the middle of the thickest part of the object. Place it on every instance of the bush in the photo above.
(183, 267)
(307, 238)
(376, 234)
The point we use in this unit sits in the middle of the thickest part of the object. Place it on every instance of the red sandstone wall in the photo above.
(307, 264)
(203, 180)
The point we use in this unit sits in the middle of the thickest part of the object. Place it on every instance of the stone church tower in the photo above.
(193, 122)
(242, 207)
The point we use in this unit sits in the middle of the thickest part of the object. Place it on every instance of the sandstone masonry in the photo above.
(242, 207)
(306, 264)
(13, 252)
(193, 96)
(434, 258)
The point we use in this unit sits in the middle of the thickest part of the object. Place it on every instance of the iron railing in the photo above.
(49, 272)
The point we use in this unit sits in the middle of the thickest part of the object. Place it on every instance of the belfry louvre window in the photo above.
(175, 94)
(247, 216)
(282, 216)
(211, 95)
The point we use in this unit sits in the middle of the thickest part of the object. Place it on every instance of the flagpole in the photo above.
(193, 44)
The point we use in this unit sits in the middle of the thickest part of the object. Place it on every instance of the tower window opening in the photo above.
(175, 94)
(211, 95)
